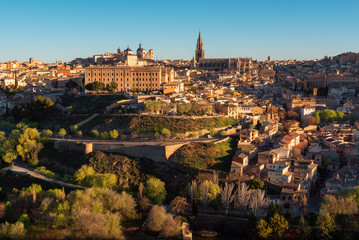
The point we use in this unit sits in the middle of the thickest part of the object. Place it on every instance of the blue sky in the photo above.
(291, 29)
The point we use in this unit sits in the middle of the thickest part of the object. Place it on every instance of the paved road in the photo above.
(138, 142)
(21, 168)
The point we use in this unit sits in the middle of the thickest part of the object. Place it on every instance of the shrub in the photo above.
(156, 218)
(155, 190)
(94, 133)
(113, 134)
(172, 228)
(165, 132)
(46, 133)
(16, 230)
(79, 133)
(25, 220)
(62, 132)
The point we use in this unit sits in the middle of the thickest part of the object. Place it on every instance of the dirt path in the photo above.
(21, 168)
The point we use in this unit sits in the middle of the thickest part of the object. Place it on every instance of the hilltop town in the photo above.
(210, 143)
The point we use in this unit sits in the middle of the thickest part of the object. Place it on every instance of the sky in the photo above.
(67, 29)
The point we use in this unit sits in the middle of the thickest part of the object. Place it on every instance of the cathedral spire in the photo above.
(199, 54)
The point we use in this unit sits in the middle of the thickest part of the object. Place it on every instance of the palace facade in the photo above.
(130, 78)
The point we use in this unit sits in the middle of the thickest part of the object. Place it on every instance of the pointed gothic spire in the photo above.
(199, 49)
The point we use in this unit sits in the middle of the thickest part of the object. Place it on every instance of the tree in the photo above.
(28, 146)
(104, 135)
(62, 132)
(112, 87)
(84, 173)
(114, 134)
(304, 231)
(172, 228)
(326, 225)
(279, 224)
(71, 84)
(155, 190)
(203, 191)
(258, 201)
(79, 133)
(227, 195)
(46, 133)
(165, 132)
(94, 133)
(106, 180)
(274, 208)
(336, 212)
(178, 204)
(156, 218)
(243, 196)
(310, 121)
(256, 183)
(95, 86)
(263, 229)
(41, 103)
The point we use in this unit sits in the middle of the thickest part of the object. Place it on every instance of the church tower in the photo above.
(199, 54)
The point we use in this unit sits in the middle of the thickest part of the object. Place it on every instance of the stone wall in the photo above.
(156, 153)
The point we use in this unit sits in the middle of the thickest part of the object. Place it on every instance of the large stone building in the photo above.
(220, 64)
(130, 78)
(126, 57)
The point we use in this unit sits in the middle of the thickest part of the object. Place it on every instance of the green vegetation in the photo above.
(143, 123)
(155, 190)
(206, 155)
(337, 214)
(93, 213)
(87, 176)
(24, 142)
(71, 84)
(182, 108)
(62, 163)
(90, 104)
(39, 108)
(329, 115)
(62, 132)
(256, 183)
(126, 170)
(164, 223)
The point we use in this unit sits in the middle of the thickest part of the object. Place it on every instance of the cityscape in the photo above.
(215, 144)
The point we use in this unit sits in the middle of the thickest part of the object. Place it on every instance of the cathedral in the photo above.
(243, 65)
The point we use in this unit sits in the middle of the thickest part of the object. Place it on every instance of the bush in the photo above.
(25, 220)
(155, 190)
(16, 230)
(156, 218)
(62, 132)
(172, 228)
(97, 225)
(165, 132)
(94, 133)
(46, 133)
(113, 134)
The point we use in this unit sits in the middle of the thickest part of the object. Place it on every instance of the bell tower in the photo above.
(199, 54)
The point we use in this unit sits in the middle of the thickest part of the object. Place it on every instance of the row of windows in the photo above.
(137, 79)
(121, 74)
(138, 85)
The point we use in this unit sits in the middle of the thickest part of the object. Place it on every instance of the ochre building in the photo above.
(130, 78)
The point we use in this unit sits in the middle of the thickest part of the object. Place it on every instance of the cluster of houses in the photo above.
(289, 161)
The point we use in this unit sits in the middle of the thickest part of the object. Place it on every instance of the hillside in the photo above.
(143, 123)
(206, 155)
